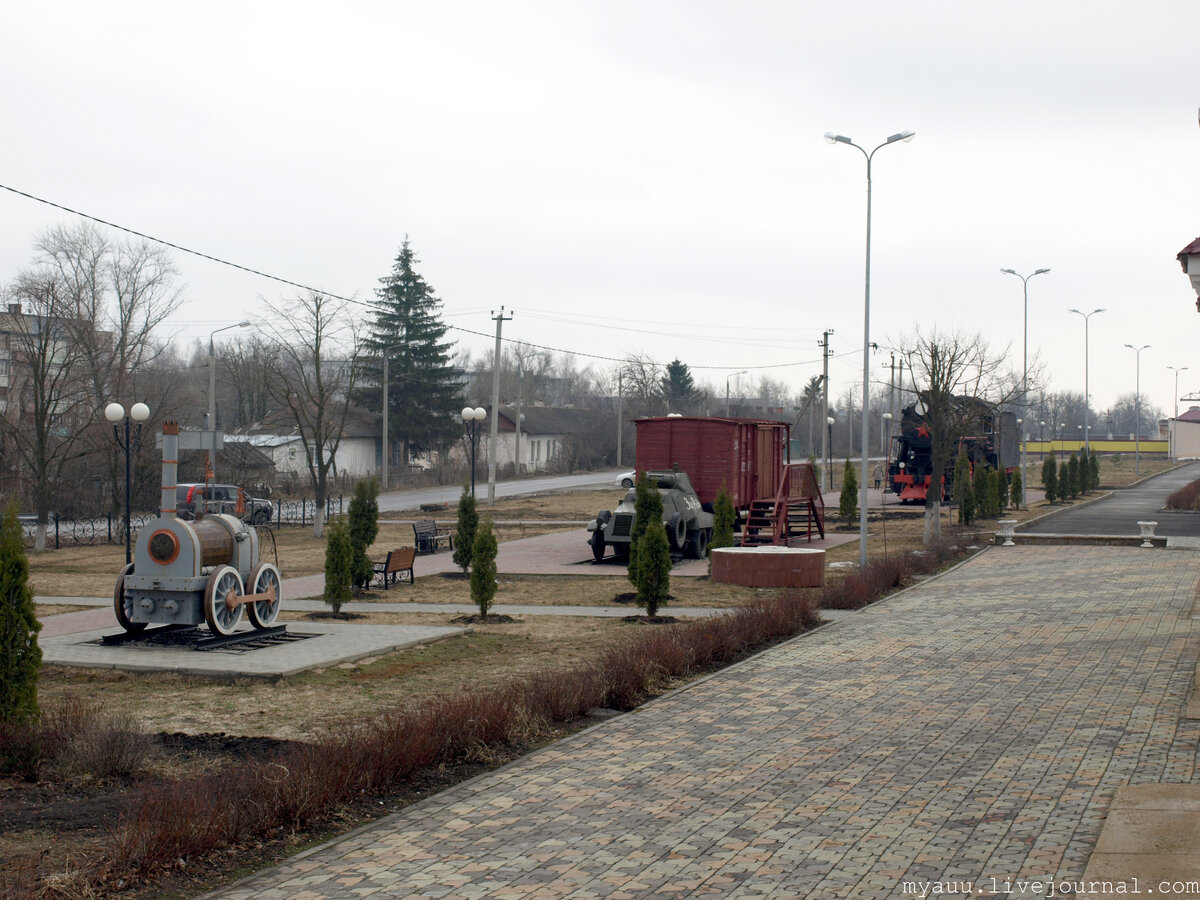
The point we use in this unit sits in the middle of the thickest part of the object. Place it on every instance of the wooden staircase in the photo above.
(796, 511)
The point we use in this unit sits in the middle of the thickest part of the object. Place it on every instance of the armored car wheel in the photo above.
(699, 544)
(262, 577)
(222, 600)
(676, 532)
(123, 606)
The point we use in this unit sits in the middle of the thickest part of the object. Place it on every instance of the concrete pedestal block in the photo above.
(769, 566)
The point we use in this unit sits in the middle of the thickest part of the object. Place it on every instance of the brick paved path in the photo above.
(974, 728)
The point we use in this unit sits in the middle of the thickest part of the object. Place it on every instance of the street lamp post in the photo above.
(727, 377)
(139, 413)
(862, 523)
(1137, 408)
(212, 392)
(472, 418)
(1024, 367)
(829, 421)
(1175, 421)
(1086, 396)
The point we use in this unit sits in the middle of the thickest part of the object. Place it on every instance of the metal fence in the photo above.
(110, 529)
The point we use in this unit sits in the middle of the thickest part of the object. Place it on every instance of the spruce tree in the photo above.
(363, 529)
(339, 564)
(647, 513)
(483, 567)
(1050, 478)
(20, 655)
(678, 386)
(848, 500)
(464, 534)
(424, 394)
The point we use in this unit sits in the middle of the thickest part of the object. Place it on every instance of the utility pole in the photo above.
(824, 344)
(493, 439)
(620, 412)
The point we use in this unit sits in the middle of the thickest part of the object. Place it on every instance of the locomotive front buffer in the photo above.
(188, 573)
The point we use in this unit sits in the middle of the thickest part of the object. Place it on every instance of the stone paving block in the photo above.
(979, 724)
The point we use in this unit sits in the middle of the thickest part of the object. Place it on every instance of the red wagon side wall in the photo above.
(745, 455)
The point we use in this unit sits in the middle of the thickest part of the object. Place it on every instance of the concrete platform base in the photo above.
(1079, 540)
(330, 645)
(768, 566)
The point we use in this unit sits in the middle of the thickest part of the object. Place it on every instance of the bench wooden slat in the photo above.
(428, 536)
(395, 565)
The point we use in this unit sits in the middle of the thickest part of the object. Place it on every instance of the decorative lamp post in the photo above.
(829, 422)
(884, 432)
(1024, 366)
(727, 377)
(1087, 397)
(212, 392)
(473, 418)
(862, 523)
(1024, 471)
(1137, 408)
(139, 413)
(1175, 421)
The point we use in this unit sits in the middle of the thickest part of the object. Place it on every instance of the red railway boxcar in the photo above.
(749, 458)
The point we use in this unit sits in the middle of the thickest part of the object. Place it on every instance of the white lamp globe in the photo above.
(114, 412)
(139, 412)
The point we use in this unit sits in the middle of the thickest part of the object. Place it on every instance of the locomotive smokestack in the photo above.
(170, 469)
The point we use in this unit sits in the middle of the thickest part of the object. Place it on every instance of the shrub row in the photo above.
(1187, 497)
(855, 590)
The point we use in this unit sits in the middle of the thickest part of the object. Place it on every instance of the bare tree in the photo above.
(243, 379)
(315, 370)
(48, 411)
(112, 296)
(955, 375)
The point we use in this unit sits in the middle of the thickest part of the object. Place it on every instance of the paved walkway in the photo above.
(974, 728)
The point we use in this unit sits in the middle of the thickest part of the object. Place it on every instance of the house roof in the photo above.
(1192, 248)
(279, 427)
(1192, 415)
(548, 419)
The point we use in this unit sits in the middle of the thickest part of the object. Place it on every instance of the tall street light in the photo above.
(1086, 395)
(1024, 369)
(1175, 423)
(862, 522)
(1137, 409)
(386, 450)
(212, 392)
(727, 377)
(139, 413)
(472, 418)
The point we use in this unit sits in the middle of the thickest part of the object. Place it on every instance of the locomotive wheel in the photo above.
(597, 545)
(123, 606)
(223, 585)
(262, 613)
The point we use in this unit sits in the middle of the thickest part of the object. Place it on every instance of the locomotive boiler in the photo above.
(203, 571)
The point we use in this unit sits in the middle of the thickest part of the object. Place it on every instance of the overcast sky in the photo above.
(643, 177)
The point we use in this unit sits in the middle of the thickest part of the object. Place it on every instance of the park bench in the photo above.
(429, 536)
(395, 565)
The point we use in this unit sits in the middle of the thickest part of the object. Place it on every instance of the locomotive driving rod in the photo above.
(235, 600)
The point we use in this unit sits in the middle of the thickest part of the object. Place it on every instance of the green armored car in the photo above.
(689, 526)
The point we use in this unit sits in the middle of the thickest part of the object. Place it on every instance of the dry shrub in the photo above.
(22, 749)
(87, 740)
(1187, 497)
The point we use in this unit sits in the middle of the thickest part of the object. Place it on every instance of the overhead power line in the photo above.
(304, 287)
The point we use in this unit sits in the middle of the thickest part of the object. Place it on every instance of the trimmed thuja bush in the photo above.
(647, 512)
(483, 567)
(848, 499)
(20, 655)
(464, 534)
(339, 564)
(724, 518)
(363, 529)
(1050, 478)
